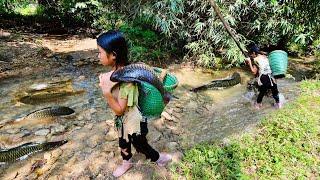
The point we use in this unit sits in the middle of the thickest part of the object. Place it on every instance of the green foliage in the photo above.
(285, 146)
(296, 48)
(145, 44)
(265, 22)
(29, 10)
(316, 47)
(190, 26)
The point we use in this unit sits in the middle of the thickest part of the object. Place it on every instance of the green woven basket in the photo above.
(278, 60)
(150, 100)
(170, 82)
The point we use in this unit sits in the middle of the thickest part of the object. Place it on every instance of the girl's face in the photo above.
(253, 55)
(106, 59)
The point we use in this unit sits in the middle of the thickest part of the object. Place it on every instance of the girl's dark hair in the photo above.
(114, 42)
(253, 48)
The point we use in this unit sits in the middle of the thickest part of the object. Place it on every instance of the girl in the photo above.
(261, 69)
(123, 100)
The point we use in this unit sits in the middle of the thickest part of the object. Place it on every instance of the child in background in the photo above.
(261, 69)
(122, 98)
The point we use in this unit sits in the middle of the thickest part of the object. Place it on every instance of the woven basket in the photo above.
(278, 60)
(150, 100)
(170, 82)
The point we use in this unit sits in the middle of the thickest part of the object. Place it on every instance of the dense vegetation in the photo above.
(190, 29)
(285, 146)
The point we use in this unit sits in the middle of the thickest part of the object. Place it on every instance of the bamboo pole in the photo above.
(226, 25)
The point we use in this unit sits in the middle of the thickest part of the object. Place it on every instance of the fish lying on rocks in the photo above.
(24, 150)
(39, 116)
(50, 112)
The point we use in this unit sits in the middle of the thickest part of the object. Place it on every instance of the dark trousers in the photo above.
(266, 85)
(140, 143)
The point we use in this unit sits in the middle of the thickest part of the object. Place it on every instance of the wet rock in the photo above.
(112, 134)
(95, 140)
(39, 163)
(12, 131)
(80, 169)
(110, 146)
(20, 173)
(111, 155)
(169, 110)
(25, 133)
(110, 123)
(89, 126)
(178, 110)
(174, 130)
(79, 123)
(192, 105)
(56, 177)
(50, 158)
(4, 34)
(154, 136)
(200, 111)
(101, 177)
(38, 127)
(93, 110)
(166, 115)
(159, 124)
(175, 119)
(179, 105)
(15, 138)
(58, 129)
(42, 132)
(97, 161)
(172, 146)
(176, 157)
(88, 115)
(81, 78)
(39, 139)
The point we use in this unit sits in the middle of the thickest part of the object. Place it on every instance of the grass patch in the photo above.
(286, 145)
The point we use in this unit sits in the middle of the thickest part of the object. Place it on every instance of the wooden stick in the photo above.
(226, 25)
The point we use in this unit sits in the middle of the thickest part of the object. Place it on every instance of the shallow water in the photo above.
(215, 114)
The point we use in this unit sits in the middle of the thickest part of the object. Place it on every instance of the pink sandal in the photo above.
(164, 158)
(121, 169)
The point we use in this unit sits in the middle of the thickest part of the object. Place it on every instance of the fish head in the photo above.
(116, 75)
(55, 144)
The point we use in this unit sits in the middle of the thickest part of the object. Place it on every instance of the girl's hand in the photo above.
(248, 61)
(105, 84)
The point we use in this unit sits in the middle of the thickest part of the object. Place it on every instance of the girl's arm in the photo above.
(117, 105)
(253, 68)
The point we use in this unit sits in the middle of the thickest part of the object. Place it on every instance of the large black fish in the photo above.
(10, 155)
(138, 73)
(220, 83)
(50, 112)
